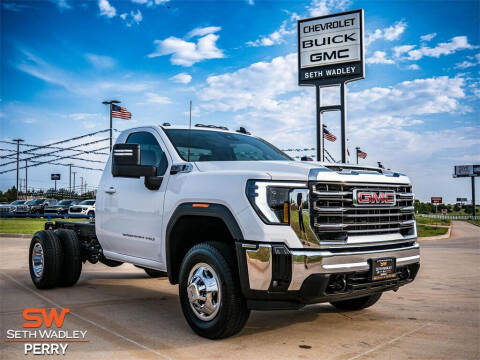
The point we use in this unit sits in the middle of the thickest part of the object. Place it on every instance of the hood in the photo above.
(57, 206)
(304, 171)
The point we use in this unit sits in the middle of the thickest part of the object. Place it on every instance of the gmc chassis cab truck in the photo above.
(239, 226)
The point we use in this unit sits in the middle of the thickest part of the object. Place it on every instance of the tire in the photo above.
(72, 257)
(155, 273)
(110, 263)
(217, 261)
(358, 303)
(47, 250)
(91, 213)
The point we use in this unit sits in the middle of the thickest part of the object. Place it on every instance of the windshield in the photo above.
(18, 202)
(222, 146)
(35, 202)
(64, 202)
(87, 202)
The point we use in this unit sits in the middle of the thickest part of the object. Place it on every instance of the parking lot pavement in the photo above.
(128, 315)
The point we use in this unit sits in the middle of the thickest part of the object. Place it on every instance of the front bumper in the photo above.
(292, 278)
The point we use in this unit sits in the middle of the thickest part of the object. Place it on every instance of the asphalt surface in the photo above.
(128, 315)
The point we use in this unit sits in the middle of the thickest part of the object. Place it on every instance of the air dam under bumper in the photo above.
(275, 277)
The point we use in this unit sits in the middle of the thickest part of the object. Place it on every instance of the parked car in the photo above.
(60, 207)
(12, 207)
(86, 207)
(239, 226)
(37, 206)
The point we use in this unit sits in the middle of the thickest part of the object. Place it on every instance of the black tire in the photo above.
(233, 312)
(72, 257)
(110, 263)
(357, 303)
(52, 254)
(91, 213)
(155, 273)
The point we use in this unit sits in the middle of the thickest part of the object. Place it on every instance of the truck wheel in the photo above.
(45, 259)
(110, 263)
(358, 303)
(72, 257)
(155, 273)
(210, 294)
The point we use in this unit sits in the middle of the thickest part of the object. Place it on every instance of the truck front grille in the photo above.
(335, 216)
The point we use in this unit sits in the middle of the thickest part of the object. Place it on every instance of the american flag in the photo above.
(328, 135)
(121, 112)
(361, 154)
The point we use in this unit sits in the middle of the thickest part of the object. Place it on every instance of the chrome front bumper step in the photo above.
(308, 262)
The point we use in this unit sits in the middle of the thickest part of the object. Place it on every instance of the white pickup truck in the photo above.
(239, 226)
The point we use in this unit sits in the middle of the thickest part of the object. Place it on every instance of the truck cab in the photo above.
(241, 226)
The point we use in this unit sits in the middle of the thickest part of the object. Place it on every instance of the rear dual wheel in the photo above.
(55, 258)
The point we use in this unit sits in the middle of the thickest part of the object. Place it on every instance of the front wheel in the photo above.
(357, 303)
(210, 294)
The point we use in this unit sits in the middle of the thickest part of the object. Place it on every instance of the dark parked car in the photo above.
(37, 206)
(60, 208)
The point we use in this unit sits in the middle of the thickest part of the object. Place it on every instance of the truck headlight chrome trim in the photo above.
(270, 199)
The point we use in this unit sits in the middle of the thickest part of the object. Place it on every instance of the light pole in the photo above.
(18, 141)
(74, 173)
(111, 125)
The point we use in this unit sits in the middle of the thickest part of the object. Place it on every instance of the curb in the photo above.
(16, 236)
(438, 237)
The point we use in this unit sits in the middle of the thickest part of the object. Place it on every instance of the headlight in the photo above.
(270, 199)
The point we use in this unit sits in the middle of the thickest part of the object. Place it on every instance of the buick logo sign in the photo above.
(374, 197)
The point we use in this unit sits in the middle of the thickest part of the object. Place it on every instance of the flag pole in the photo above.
(110, 103)
(357, 148)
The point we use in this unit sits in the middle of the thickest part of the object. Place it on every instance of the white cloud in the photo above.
(203, 31)
(73, 82)
(182, 78)
(390, 33)
(250, 2)
(428, 37)
(324, 7)
(186, 53)
(62, 4)
(132, 18)
(472, 61)
(410, 52)
(275, 38)
(413, 67)
(399, 50)
(379, 57)
(157, 99)
(100, 62)
(106, 9)
(29, 120)
(150, 3)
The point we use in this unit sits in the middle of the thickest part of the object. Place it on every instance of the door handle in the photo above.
(110, 190)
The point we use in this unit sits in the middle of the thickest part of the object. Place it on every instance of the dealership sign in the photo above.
(330, 49)
(55, 176)
(466, 170)
(436, 200)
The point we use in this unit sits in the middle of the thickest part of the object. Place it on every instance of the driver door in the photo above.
(132, 215)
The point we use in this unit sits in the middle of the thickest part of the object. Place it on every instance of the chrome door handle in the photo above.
(110, 190)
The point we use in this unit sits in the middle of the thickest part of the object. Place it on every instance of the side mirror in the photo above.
(126, 162)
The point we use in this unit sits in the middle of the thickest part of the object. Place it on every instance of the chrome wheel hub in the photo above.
(204, 291)
(37, 260)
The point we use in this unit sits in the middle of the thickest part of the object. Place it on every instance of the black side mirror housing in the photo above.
(126, 162)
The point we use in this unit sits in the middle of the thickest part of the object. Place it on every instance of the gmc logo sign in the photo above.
(369, 197)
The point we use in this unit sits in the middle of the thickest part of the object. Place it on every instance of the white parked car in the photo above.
(86, 207)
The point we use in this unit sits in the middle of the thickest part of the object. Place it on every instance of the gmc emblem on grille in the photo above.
(373, 197)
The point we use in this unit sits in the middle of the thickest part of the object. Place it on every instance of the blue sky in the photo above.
(417, 110)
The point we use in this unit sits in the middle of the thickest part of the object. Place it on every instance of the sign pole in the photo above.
(474, 211)
(320, 144)
(343, 111)
(356, 150)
